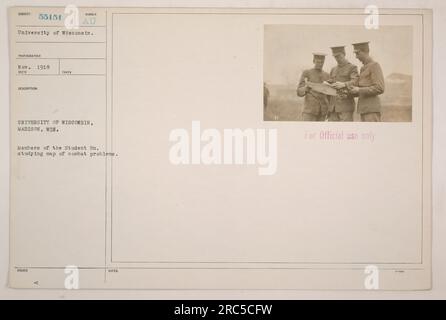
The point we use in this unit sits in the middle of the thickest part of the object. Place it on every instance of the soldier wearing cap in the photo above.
(369, 86)
(265, 96)
(315, 103)
(342, 77)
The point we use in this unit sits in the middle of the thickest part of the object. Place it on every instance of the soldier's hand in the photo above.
(338, 85)
(354, 90)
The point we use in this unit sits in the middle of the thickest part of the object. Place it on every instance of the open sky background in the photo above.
(288, 48)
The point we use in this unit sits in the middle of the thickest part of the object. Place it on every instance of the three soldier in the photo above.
(367, 86)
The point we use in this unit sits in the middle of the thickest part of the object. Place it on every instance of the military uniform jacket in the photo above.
(371, 84)
(315, 102)
(348, 74)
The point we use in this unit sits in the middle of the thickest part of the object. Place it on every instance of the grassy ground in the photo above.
(285, 105)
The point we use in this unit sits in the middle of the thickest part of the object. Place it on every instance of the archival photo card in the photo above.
(203, 149)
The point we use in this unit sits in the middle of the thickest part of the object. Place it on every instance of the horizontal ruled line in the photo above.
(218, 268)
(79, 42)
(61, 75)
(42, 58)
(46, 26)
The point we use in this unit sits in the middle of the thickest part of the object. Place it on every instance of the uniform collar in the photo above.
(368, 61)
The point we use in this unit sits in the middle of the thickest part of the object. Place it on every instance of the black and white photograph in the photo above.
(337, 73)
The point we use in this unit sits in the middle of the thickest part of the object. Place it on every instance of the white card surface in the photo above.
(170, 149)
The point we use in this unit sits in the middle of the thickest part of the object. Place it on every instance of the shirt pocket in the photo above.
(343, 75)
(365, 78)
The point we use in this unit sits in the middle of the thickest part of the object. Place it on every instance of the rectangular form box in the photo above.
(37, 67)
(85, 50)
(59, 34)
(131, 179)
(82, 66)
